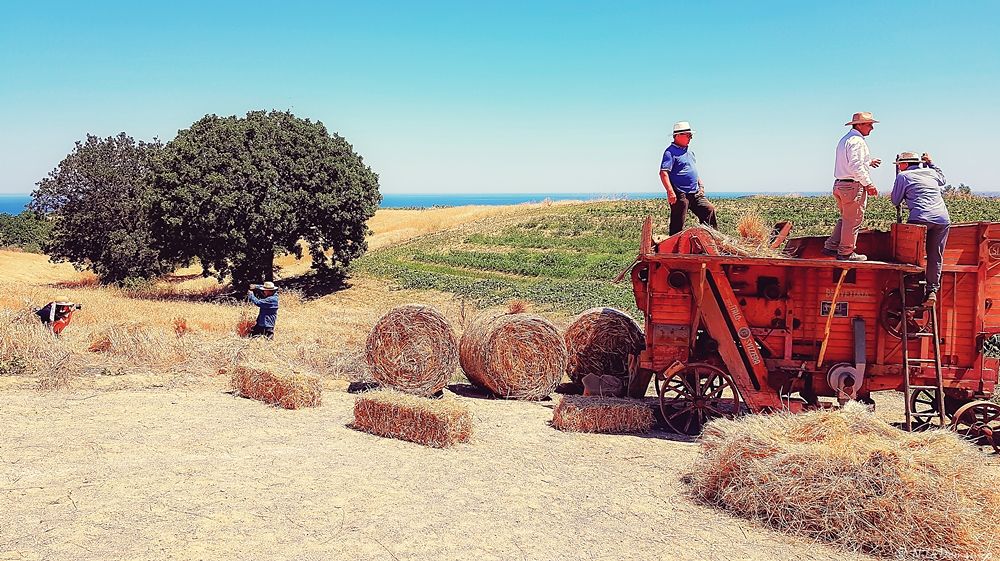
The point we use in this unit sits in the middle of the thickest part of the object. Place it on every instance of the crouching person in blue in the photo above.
(268, 313)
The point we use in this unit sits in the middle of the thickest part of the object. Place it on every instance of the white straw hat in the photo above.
(682, 126)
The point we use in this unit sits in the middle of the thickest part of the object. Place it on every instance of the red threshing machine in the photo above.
(729, 332)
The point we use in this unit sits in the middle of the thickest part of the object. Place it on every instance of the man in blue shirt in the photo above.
(920, 187)
(268, 313)
(680, 178)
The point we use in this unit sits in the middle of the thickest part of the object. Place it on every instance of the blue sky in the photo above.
(519, 97)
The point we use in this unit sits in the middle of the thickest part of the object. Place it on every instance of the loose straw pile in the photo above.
(847, 478)
(412, 349)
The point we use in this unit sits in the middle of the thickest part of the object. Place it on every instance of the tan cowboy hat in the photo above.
(907, 158)
(861, 119)
(267, 286)
(682, 127)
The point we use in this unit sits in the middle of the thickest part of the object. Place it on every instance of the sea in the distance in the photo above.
(14, 204)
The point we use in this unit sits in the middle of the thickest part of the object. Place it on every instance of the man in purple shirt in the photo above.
(920, 187)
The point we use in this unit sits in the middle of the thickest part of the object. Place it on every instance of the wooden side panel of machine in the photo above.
(909, 243)
(991, 280)
(860, 296)
(963, 244)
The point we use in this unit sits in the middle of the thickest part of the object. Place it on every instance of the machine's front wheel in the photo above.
(924, 407)
(979, 421)
(696, 394)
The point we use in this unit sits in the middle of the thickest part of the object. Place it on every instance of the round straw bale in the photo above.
(412, 349)
(600, 342)
(519, 356)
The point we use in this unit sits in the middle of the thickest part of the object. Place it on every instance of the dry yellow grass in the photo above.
(602, 414)
(155, 350)
(848, 478)
(432, 422)
(292, 390)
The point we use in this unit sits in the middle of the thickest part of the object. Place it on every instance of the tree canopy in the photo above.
(97, 200)
(27, 231)
(232, 191)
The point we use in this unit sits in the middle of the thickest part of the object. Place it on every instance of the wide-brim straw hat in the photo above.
(861, 118)
(682, 127)
(907, 158)
(267, 286)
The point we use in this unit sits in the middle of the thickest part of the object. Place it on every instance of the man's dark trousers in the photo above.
(698, 204)
(937, 239)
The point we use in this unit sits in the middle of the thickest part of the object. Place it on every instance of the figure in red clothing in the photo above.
(56, 315)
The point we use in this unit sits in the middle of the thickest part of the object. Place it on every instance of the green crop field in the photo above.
(565, 256)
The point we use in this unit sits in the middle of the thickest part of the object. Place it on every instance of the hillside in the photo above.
(565, 256)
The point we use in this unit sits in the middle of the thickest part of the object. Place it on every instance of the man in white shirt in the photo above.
(851, 187)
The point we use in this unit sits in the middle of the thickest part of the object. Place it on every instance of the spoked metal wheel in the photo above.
(892, 315)
(696, 394)
(924, 408)
(979, 422)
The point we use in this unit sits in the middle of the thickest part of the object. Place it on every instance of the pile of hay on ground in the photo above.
(600, 341)
(847, 478)
(290, 391)
(431, 422)
(602, 414)
(518, 356)
(412, 349)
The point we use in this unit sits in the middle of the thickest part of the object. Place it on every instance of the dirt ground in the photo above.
(198, 474)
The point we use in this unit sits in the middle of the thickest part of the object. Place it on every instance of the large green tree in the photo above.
(98, 201)
(233, 191)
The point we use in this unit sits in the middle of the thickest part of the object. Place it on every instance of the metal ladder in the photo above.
(910, 363)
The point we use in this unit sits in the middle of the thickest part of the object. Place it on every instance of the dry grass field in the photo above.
(139, 452)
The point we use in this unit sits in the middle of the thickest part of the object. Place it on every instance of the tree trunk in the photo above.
(268, 265)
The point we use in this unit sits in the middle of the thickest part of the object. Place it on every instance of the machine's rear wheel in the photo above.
(696, 394)
(979, 421)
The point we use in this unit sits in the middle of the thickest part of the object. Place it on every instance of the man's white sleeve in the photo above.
(857, 161)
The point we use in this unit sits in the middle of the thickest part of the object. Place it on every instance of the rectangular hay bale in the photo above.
(289, 391)
(432, 422)
(602, 414)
